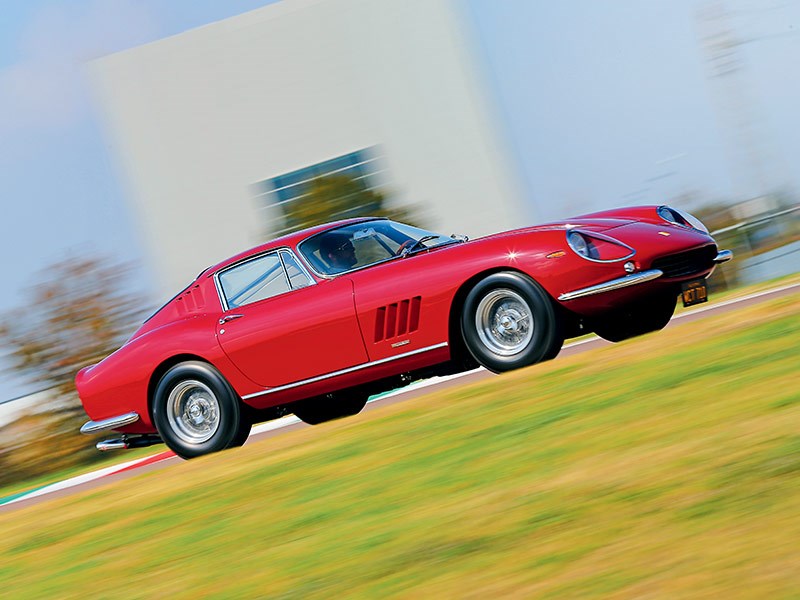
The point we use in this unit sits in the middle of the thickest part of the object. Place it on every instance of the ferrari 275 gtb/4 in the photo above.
(315, 322)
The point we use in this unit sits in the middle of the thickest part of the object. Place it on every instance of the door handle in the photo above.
(227, 318)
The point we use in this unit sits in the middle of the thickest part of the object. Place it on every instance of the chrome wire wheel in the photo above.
(504, 322)
(193, 411)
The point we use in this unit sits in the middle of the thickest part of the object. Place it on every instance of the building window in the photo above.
(362, 167)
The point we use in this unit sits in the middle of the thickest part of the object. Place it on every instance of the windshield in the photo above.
(363, 244)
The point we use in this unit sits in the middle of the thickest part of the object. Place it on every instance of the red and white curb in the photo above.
(85, 478)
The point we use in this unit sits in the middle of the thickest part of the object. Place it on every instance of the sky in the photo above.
(60, 189)
(603, 103)
(611, 103)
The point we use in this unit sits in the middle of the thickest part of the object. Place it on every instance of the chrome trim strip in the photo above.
(223, 303)
(289, 386)
(723, 256)
(91, 427)
(300, 264)
(614, 284)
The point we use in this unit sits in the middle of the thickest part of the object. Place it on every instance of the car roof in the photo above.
(291, 240)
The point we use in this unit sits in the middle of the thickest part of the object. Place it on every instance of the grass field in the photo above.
(667, 466)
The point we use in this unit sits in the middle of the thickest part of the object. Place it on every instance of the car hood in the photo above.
(589, 224)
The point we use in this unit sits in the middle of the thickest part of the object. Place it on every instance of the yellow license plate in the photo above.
(694, 292)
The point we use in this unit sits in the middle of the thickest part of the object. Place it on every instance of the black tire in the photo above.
(321, 409)
(196, 411)
(645, 316)
(245, 425)
(508, 322)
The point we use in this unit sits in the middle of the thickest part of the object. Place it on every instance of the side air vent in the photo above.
(397, 319)
(190, 301)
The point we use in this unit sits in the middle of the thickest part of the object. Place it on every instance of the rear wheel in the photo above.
(196, 411)
(645, 316)
(321, 409)
(508, 322)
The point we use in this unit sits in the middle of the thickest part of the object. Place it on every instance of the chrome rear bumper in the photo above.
(614, 284)
(91, 427)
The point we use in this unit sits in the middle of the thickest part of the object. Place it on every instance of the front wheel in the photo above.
(508, 322)
(196, 412)
(246, 420)
(321, 409)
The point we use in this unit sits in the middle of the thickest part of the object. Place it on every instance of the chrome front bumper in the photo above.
(614, 284)
(91, 427)
(723, 256)
(632, 279)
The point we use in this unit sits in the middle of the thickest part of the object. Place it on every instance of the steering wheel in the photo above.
(410, 245)
(407, 245)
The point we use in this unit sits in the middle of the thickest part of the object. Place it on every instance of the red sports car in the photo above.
(315, 322)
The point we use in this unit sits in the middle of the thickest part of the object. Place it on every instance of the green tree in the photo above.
(334, 197)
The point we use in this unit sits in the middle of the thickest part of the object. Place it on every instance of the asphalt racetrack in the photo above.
(159, 460)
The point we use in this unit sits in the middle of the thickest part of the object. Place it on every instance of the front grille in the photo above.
(687, 263)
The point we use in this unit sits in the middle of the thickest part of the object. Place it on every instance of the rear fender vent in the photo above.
(397, 319)
(190, 301)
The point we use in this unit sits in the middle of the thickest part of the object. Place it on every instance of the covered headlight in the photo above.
(677, 216)
(578, 243)
(598, 247)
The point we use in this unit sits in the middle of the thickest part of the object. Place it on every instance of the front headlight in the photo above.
(598, 247)
(676, 216)
(578, 243)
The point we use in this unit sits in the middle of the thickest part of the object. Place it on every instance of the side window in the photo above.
(297, 277)
(254, 280)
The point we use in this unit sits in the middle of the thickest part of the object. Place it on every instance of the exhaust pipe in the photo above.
(126, 442)
(107, 445)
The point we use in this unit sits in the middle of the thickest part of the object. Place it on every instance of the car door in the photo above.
(280, 327)
(403, 305)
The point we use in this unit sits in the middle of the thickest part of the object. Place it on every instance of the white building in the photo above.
(207, 124)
